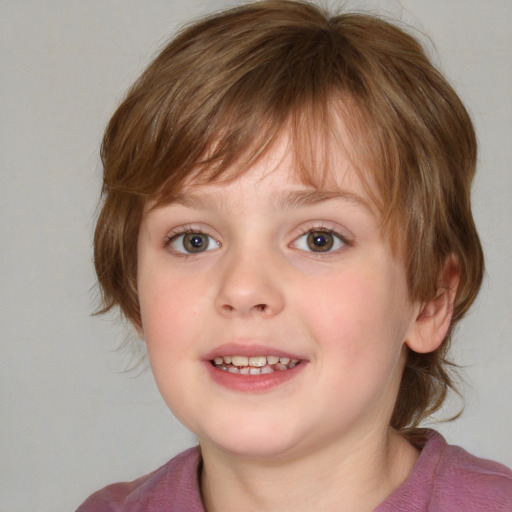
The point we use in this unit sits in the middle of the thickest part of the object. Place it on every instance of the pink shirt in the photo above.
(445, 478)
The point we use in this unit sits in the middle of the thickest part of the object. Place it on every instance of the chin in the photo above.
(264, 440)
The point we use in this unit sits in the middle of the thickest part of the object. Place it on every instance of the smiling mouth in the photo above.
(254, 365)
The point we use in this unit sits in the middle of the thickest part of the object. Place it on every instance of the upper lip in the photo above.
(249, 349)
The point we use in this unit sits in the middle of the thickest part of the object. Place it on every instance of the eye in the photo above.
(192, 243)
(319, 241)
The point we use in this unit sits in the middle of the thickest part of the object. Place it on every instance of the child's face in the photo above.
(271, 267)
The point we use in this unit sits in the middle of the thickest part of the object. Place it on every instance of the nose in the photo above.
(250, 285)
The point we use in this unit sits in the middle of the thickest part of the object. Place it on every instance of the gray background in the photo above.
(71, 419)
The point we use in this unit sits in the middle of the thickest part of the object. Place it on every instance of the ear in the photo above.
(434, 317)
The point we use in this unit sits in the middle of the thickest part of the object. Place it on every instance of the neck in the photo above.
(354, 477)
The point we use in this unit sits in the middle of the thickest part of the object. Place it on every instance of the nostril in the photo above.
(259, 308)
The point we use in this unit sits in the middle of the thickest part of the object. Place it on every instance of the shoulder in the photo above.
(172, 487)
(470, 481)
(449, 478)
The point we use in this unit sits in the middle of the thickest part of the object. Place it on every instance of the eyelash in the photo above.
(187, 230)
(322, 229)
(175, 235)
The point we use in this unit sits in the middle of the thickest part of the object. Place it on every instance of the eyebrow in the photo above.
(288, 200)
(282, 200)
(199, 201)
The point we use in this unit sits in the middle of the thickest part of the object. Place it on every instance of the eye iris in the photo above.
(195, 242)
(320, 241)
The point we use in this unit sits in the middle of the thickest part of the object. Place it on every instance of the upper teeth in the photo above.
(254, 361)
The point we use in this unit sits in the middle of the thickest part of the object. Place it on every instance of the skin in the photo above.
(320, 440)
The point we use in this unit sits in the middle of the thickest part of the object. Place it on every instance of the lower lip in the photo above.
(253, 383)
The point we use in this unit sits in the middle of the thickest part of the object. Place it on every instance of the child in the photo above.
(287, 224)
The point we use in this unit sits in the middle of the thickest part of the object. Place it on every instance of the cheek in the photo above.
(358, 331)
(168, 307)
(360, 315)
(170, 324)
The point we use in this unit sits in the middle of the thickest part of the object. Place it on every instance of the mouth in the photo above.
(253, 365)
(252, 368)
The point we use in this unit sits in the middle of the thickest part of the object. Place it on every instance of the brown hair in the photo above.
(224, 89)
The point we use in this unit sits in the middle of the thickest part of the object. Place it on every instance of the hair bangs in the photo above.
(268, 102)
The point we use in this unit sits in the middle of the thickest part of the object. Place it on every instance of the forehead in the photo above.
(322, 165)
